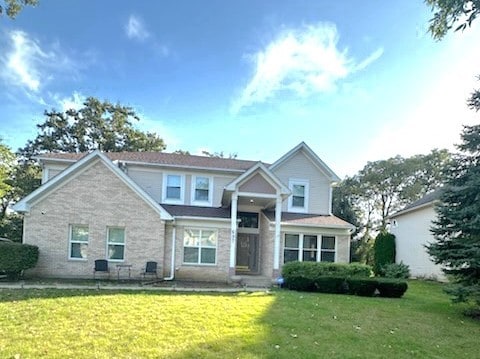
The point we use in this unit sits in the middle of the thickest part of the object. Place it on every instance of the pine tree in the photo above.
(457, 227)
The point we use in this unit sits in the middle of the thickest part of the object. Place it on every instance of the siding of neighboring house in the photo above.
(412, 233)
(300, 167)
(98, 198)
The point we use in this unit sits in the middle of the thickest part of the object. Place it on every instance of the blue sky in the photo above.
(357, 81)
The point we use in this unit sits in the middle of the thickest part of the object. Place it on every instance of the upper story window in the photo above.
(298, 201)
(202, 190)
(173, 188)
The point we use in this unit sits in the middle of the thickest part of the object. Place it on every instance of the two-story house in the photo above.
(199, 218)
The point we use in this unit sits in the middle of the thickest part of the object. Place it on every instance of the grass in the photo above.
(54, 323)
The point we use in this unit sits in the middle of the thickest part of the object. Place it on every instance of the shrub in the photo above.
(396, 270)
(318, 269)
(330, 284)
(364, 287)
(384, 251)
(300, 282)
(391, 288)
(16, 257)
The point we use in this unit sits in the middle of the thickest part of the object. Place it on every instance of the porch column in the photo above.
(233, 235)
(276, 243)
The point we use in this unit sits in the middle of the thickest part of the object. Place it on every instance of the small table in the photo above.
(123, 266)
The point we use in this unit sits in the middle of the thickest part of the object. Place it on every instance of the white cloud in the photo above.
(73, 102)
(30, 66)
(136, 29)
(302, 62)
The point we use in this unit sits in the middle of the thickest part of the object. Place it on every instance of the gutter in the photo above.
(172, 264)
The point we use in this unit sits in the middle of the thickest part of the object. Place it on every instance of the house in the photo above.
(199, 218)
(411, 227)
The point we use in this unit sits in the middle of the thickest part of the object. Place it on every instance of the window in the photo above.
(200, 246)
(116, 244)
(248, 220)
(78, 241)
(173, 188)
(305, 248)
(298, 201)
(328, 249)
(201, 190)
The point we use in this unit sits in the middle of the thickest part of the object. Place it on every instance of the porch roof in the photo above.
(309, 219)
(196, 211)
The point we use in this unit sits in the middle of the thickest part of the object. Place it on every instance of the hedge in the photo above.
(364, 287)
(16, 257)
(317, 269)
(391, 288)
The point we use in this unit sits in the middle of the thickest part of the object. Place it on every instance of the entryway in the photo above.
(247, 253)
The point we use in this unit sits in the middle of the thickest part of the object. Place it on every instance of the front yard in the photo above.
(54, 323)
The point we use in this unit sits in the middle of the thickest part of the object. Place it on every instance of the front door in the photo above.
(247, 253)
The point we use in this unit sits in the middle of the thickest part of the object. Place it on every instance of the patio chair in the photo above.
(101, 265)
(151, 269)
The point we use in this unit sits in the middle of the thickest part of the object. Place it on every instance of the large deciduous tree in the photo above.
(12, 7)
(448, 14)
(97, 125)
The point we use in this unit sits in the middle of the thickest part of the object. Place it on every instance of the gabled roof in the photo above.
(309, 219)
(312, 156)
(259, 167)
(160, 158)
(428, 200)
(24, 204)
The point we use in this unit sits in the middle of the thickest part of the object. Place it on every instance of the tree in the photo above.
(7, 164)
(219, 155)
(13, 7)
(450, 13)
(97, 125)
(384, 251)
(457, 227)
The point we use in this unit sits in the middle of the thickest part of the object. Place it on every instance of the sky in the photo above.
(357, 81)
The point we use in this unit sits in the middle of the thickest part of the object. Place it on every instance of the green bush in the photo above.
(330, 284)
(16, 257)
(364, 287)
(396, 270)
(318, 269)
(391, 288)
(303, 283)
(384, 251)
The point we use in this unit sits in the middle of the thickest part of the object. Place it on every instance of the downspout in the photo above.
(172, 264)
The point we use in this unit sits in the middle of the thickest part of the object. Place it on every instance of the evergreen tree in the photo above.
(457, 228)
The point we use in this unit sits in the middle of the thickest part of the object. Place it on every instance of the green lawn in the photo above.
(105, 324)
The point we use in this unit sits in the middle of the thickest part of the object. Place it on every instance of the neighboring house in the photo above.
(411, 227)
(199, 218)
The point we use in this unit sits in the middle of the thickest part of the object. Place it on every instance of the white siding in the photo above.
(149, 180)
(300, 167)
(412, 233)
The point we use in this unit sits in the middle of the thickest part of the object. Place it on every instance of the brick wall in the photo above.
(98, 198)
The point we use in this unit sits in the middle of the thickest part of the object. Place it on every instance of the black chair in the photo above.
(101, 265)
(151, 269)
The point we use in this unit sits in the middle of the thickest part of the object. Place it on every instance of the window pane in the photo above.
(80, 233)
(190, 255)
(292, 240)
(201, 195)
(192, 237)
(173, 181)
(309, 242)
(309, 256)
(116, 252)
(116, 235)
(173, 192)
(298, 190)
(328, 242)
(328, 256)
(248, 220)
(298, 201)
(202, 183)
(78, 250)
(209, 238)
(208, 255)
(290, 255)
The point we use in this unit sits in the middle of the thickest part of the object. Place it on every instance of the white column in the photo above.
(276, 243)
(233, 234)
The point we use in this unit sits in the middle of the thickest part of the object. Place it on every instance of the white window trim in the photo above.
(199, 263)
(182, 189)
(195, 202)
(70, 228)
(319, 246)
(302, 182)
(116, 244)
